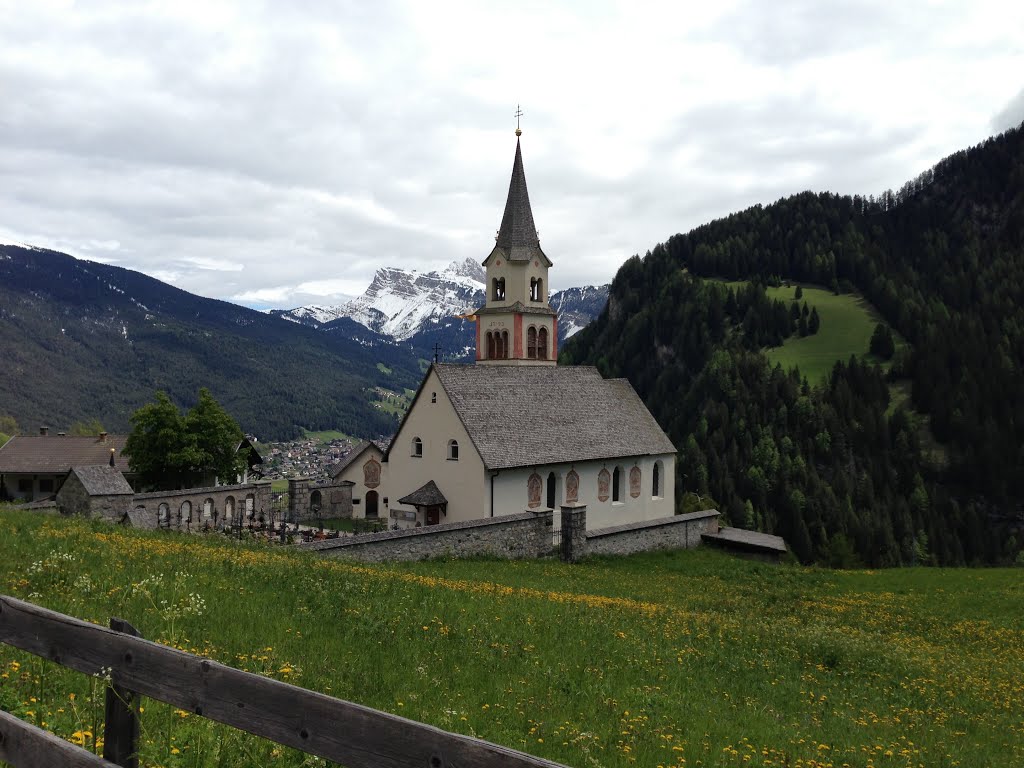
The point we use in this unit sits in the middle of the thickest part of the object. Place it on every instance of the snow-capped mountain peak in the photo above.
(401, 303)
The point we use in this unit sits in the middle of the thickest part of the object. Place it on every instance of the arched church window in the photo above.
(504, 345)
(617, 484)
(433, 397)
(498, 292)
(453, 450)
(540, 289)
(531, 342)
(542, 344)
(656, 480)
(552, 492)
(491, 348)
(417, 448)
(533, 289)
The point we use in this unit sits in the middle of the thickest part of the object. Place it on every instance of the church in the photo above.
(514, 431)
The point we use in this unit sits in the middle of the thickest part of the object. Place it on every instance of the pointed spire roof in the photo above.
(517, 227)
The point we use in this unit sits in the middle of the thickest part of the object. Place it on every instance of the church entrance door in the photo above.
(371, 504)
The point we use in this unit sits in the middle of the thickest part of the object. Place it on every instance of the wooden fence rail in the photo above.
(346, 733)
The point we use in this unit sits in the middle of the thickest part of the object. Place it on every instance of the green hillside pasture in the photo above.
(326, 435)
(390, 401)
(847, 322)
(669, 659)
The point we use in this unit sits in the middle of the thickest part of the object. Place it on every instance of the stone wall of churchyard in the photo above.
(524, 535)
(677, 532)
(519, 536)
(310, 502)
(197, 508)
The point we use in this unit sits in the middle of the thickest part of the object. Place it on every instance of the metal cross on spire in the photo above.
(519, 113)
(437, 351)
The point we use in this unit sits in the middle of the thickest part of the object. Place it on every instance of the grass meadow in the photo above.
(327, 435)
(847, 322)
(667, 659)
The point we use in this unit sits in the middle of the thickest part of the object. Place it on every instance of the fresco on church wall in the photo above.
(604, 479)
(533, 488)
(371, 473)
(572, 487)
(634, 482)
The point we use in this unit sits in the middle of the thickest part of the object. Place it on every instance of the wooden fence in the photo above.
(340, 731)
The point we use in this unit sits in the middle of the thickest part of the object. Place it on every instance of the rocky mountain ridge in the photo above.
(410, 306)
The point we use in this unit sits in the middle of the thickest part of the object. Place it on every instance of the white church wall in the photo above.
(435, 422)
(511, 493)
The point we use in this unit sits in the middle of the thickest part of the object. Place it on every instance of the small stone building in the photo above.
(95, 491)
(362, 467)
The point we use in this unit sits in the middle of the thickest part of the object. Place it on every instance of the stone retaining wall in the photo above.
(520, 536)
(677, 532)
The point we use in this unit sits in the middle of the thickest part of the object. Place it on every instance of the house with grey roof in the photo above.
(515, 431)
(34, 466)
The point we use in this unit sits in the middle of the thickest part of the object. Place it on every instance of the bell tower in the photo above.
(517, 326)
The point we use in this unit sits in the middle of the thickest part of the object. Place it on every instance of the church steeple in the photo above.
(517, 227)
(517, 326)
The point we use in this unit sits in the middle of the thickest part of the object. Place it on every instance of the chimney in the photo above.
(44, 430)
(111, 455)
(103, 437)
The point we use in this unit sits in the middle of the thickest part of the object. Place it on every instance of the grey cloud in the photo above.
(257, 142)
(776, 34)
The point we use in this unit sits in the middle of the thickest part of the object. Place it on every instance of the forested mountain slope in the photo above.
(81, 339)
(835, 469)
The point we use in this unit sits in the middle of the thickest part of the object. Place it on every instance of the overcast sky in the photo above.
(275, 154)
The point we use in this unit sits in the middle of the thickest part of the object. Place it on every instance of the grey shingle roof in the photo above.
(517, 237)
(56, 454)
(102, 480)
(519, 416)
(428, 495)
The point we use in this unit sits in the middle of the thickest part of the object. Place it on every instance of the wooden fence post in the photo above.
(121, 731)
